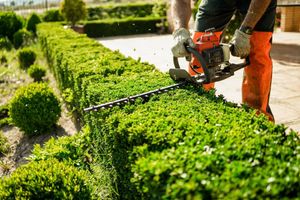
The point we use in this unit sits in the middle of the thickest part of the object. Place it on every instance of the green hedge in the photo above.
(186, 144)
(46, 180)
(128, 26)
(120, 11)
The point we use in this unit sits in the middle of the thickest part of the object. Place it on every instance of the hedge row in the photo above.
(186, 144)
(123, 10)
(115, 11)
(128, 26)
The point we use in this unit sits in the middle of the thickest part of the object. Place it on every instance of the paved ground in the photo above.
(285, 94)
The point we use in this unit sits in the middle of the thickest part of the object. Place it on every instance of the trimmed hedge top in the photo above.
(186, 144)
(121, 11)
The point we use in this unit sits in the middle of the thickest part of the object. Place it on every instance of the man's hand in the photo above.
(241, 44)
(181, 37)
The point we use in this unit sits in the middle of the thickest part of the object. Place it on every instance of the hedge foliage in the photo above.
(121, 11)
(26, 57)
(34, 108)
(22, 38)
(52, 15)
(36, 72)
(48, 179)
(186, 144)
(10, 23)
(73, 10)
(128, 26)
(5, 44)
(32, 21)
(126, 19)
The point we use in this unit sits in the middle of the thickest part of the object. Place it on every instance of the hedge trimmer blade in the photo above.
(132, 99)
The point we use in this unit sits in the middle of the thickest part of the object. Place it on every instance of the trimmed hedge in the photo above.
(116, 11)
(46, 180)
(128, 26)
(186, 144)
(120, 11)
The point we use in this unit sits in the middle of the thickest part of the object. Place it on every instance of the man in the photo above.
(252, 39)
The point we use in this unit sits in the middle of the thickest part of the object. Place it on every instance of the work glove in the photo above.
(181, 37)
(241, 44)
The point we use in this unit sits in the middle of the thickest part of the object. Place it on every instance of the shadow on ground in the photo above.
(286, 52)
(22, 146)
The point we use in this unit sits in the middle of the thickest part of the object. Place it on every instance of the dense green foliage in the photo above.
(9, 24)
(128, 26)
(78, 151)
(53, 15)
(121, 11)
(186, 144)
(22, 38)
(26, 57)
(48, 179)
(34, 108)
(32, 21)
(73, 10)
(116, 11)
(5, 43)
(36, 72)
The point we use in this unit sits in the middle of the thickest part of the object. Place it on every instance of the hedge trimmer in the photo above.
(209, 54)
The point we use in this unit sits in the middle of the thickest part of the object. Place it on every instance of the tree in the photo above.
(73, 10)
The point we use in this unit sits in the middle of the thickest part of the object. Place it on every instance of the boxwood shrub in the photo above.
(36, 72)
(10, 23)
(22, 38)
(48, 179)
(5, 43)
(32, 21)
(26, 57)
(34, 108)
(186, 144)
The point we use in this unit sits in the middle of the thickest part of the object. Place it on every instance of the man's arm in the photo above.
(256, 10)
(241, 38)
(181, 13)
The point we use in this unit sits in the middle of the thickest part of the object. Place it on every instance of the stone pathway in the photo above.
(285, 94)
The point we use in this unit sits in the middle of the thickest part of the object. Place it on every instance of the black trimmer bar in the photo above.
(209, 56)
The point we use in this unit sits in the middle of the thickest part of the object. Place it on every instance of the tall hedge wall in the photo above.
(186, 144)
(125, 10)
(127, 26)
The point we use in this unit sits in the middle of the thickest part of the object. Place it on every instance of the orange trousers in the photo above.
(257, 78)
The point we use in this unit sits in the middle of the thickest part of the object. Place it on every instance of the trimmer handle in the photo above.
(199, 57)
